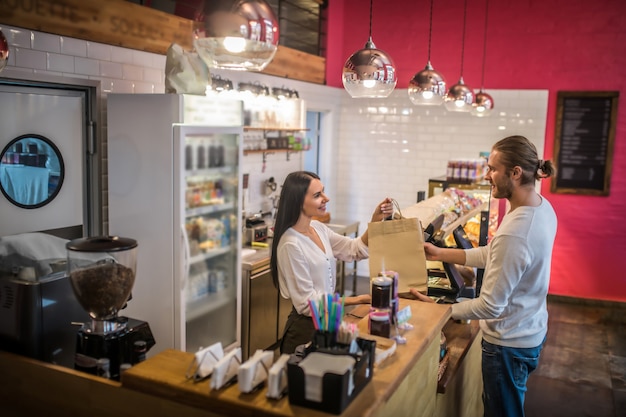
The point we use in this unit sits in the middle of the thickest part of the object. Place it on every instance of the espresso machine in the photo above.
(102, 274)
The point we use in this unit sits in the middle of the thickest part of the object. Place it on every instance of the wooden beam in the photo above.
(129, 25)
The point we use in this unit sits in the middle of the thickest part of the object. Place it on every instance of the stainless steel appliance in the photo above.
(102, 274)
(38, 310)
(256, 230)
(36, 318)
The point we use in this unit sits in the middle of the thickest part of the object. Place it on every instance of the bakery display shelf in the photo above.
(464, 219)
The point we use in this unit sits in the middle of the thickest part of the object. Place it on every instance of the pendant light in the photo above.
(427, 87)
(460, 97)
(236, 34)
(4, 51)
(369, 72)
(484, 104)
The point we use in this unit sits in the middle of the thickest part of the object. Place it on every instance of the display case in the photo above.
(480, 190)
(461, 206)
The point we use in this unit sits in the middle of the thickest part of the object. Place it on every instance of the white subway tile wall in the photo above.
(369, 148)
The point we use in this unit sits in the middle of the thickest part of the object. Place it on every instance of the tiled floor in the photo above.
(582, 369)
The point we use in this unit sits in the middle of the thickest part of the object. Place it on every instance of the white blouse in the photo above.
(305, 272)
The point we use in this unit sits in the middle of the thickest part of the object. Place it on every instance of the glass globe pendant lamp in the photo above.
(484, 104)
(459, 98)
(369, 72)
(427, 87)
(236, 34)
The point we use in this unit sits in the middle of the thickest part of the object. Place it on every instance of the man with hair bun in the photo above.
(511, 306)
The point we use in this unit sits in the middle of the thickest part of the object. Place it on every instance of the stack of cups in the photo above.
(395, 299)
(380, 314)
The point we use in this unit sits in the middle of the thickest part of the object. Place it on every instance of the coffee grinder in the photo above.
(102, 274)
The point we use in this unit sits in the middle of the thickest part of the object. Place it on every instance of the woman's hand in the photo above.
(383, 210)
(358, 299)
(418, 295)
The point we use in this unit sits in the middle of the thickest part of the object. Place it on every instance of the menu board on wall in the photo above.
(583, 141)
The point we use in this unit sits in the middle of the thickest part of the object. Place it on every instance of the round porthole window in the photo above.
(31, 171)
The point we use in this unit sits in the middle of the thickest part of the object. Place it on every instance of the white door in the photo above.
(59, 115)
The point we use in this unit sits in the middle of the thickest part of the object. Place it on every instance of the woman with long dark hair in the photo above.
(305, 253)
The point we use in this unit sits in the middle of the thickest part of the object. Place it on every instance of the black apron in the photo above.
(299, 330)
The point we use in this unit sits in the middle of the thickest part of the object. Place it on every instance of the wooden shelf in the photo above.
(266, 152)
(273, 129)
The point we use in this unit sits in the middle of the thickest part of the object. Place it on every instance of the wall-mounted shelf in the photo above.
(273, 129)
(268, 151)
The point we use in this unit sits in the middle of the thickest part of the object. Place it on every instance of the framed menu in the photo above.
(584, 141)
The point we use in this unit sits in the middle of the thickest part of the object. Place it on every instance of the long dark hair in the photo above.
(290, 205)
(519, 151)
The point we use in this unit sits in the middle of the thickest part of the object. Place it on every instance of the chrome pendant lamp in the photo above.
(236, 34)
(460, 97)
(484, 104)
(428, 87)
(369, 72)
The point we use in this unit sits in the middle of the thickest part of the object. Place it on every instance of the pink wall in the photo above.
(558, 45)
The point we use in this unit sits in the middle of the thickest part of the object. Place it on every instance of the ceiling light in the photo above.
(484, 102)
(427, 87)
(251, 88)
(460, 97)
(220, 84)
(236, 34)
(369, 72)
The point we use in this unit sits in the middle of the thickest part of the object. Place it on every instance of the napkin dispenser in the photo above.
(253, 372)
(204, 362)
(277, 378)
(338, 388)
(225, 370)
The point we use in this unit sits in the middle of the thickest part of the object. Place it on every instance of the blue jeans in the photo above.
(505, 372)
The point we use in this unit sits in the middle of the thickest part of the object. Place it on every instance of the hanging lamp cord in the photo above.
(482, 81)
(430, 31)
(371, 4)
(463, 41)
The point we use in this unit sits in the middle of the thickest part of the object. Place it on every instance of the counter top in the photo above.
(255, 261)
(164, 374)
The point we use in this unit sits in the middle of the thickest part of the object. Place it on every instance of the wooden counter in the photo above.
(411, 372)
(403, 385)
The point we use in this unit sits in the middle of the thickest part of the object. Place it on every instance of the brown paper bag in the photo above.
(398, 245)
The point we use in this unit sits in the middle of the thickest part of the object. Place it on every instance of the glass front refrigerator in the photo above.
(175, 186)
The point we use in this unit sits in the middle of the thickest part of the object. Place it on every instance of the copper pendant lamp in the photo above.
(483, 106)
(369, 72)
(428, 87)
(460, 97)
